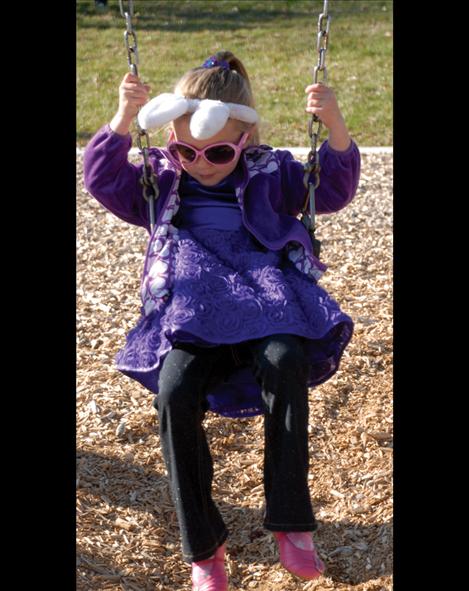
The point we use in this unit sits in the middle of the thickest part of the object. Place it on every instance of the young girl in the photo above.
(232, 317)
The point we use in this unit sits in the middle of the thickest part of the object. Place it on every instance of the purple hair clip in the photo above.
(213, 62)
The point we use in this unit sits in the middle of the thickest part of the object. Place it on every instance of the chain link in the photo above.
(132, 52)
(148, 179)
(312, 165)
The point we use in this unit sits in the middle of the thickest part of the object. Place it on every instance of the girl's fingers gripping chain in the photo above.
(321, 101)
(133, 94)
(136, 93)
(314, 98)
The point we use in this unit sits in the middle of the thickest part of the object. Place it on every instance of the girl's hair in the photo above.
(217, 83)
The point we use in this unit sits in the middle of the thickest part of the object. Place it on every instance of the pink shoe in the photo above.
(209, 574)
(298, 554)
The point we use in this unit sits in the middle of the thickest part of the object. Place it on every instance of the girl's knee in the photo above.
(285, 353)
(179, 409)
(181, 380)
(183, 396)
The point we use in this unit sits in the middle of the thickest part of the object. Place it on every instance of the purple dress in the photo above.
(228, 288)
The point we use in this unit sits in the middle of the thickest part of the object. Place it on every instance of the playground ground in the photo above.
(127, 535)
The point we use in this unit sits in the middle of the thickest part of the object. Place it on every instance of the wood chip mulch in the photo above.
(127, 534)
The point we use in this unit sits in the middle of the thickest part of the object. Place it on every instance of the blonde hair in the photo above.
(217, 83)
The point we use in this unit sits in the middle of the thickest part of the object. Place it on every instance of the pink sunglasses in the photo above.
(218, 154)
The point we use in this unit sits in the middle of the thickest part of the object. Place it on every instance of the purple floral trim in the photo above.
(158, 273)
(304, 261)
(261, 161)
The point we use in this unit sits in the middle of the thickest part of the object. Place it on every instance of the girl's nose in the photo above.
(201, 164)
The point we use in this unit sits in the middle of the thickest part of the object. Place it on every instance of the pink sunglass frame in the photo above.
(236, 147)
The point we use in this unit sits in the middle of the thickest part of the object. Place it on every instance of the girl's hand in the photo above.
(322, 102)
(133, 94)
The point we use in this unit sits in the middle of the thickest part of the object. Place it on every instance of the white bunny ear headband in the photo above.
(208, 119)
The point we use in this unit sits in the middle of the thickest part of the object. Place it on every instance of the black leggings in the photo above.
(280, 367)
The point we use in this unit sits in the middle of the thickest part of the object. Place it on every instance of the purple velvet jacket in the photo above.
(271, 200)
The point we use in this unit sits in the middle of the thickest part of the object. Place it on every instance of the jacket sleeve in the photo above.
(339, 175)
(112, 179)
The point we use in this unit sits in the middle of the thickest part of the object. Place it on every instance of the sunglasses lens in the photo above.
(220, 154)
(181, 152)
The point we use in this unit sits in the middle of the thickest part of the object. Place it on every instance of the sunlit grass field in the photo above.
(276, 40)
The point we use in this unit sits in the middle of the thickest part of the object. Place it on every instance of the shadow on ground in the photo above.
(346, 547)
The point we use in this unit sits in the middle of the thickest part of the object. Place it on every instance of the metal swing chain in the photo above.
(312, 165)
(148, 180)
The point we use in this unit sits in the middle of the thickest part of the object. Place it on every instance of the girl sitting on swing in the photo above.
(232, 319)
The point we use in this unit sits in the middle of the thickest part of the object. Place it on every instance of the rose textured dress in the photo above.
(228, 288)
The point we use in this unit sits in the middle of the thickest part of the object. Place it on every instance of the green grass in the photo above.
(276, 40)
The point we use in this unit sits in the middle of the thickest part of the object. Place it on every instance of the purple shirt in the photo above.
(208, 207)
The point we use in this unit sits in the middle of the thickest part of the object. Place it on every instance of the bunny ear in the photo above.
(210, 118)
(243, 113)
(161, 110)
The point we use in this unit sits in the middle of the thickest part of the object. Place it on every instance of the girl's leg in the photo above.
(181, 406)
(280, 366)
